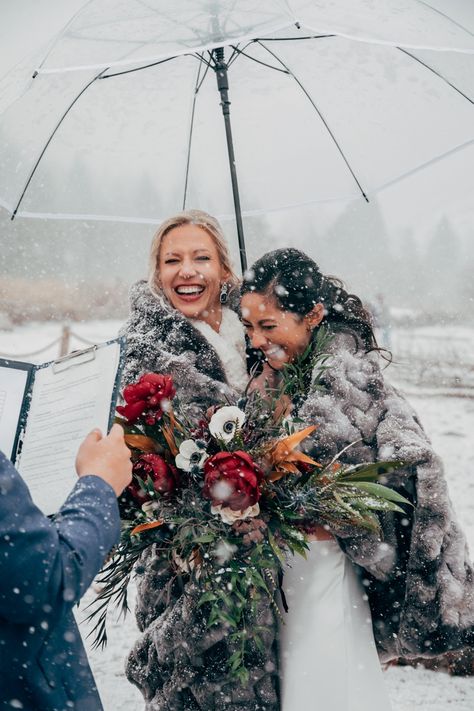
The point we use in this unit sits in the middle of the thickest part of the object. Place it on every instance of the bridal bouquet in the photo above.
(225, 498)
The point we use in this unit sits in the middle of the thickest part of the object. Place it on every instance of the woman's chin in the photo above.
(190, 310)
(277, 363)
(199, 309)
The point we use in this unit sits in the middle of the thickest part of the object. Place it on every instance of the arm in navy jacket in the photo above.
(45, 563)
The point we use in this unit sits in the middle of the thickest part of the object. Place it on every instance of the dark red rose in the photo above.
(164, 476)
(232, 479)
(146, 397)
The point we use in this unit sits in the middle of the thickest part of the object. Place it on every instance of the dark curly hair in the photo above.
(295, 281)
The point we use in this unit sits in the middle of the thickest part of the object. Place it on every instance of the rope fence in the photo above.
(20, 356)
(81, 339)
(63, 341)
(450, 369)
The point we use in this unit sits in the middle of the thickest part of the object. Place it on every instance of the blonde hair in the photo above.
(190, 217)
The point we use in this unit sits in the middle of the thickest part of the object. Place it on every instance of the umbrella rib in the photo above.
(259, 61)
(422, 166)
(438, 74)
(292, 39)
(210, 62)
(62, 32)
(135, 69)
(235, 53)
(198, 85)
(325, 123)
(446, 17)
(207, 64)
(45, 147)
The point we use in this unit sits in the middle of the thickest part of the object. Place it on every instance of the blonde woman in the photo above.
(183, 320)
(182, 323)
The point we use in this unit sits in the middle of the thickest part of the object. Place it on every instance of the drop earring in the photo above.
(223, 293)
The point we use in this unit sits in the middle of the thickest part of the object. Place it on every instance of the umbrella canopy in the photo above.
(108, 33)
(122, 119)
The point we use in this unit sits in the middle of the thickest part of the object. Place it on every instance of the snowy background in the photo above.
(434, 367)
(412, 247)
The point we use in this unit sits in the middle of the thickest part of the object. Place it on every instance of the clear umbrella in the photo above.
(108, 33)
(122, 119)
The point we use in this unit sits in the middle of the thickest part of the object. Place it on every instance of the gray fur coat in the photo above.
(418, 578)
(160, 339)
(177, 663)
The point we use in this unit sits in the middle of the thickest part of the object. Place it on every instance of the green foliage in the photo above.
(310, 366)
(237, 565)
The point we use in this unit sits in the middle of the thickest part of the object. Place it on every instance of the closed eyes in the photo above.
(264, 327)
(200, 258)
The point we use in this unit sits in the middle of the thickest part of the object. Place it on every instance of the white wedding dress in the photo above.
(328, 659)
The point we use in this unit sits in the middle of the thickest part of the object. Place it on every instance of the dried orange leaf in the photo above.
(146, 527)
(145, 444)
(170, 440)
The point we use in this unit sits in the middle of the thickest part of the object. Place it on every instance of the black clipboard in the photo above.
(29, 370)
(72, 360)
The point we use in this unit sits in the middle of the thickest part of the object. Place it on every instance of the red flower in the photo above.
(164, 476)
(146, 397)
(232, 479)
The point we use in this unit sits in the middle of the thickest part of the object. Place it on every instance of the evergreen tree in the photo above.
(357, 249)
(442, 268)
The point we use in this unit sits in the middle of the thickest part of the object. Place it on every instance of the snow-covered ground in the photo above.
(435, 371)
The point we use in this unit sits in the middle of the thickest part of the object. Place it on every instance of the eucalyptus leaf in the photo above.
(279, 553)
(379, 490)
(345, 505)
(206, 597)
(205, 538)
(373, 504)
(371, 471)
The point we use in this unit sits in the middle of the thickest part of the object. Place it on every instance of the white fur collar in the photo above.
(229, 345)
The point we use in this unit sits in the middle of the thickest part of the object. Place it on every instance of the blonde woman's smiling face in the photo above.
(191, 273)
(281, 335)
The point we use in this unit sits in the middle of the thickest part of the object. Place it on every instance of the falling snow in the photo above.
(447, 413)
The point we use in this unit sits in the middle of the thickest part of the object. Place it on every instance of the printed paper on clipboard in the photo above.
(66, 400)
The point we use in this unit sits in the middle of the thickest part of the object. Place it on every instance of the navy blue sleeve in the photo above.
(47, 563)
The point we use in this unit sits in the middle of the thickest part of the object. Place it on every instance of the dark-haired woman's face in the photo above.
(280, 335)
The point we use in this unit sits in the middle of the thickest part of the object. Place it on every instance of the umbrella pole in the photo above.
(220, 68)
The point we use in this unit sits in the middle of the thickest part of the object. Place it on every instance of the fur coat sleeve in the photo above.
(419, 577)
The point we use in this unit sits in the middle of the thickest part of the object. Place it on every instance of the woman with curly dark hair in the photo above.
(415, 584)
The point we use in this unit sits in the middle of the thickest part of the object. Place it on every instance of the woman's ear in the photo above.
(314, 317)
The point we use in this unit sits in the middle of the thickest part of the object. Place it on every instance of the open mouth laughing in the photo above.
(189, 292)
(275, 353)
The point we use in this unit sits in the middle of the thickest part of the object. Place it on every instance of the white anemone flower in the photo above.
(226, 422)
(229, 516)
(149, 508)
(190, 455)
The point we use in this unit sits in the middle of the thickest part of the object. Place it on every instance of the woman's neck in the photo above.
(213, 318)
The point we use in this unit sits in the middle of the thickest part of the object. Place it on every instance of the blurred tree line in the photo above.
(79, 270)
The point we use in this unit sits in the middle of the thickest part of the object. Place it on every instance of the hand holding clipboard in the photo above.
(47, 410)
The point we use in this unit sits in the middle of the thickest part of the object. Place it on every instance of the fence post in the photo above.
(64, 342)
